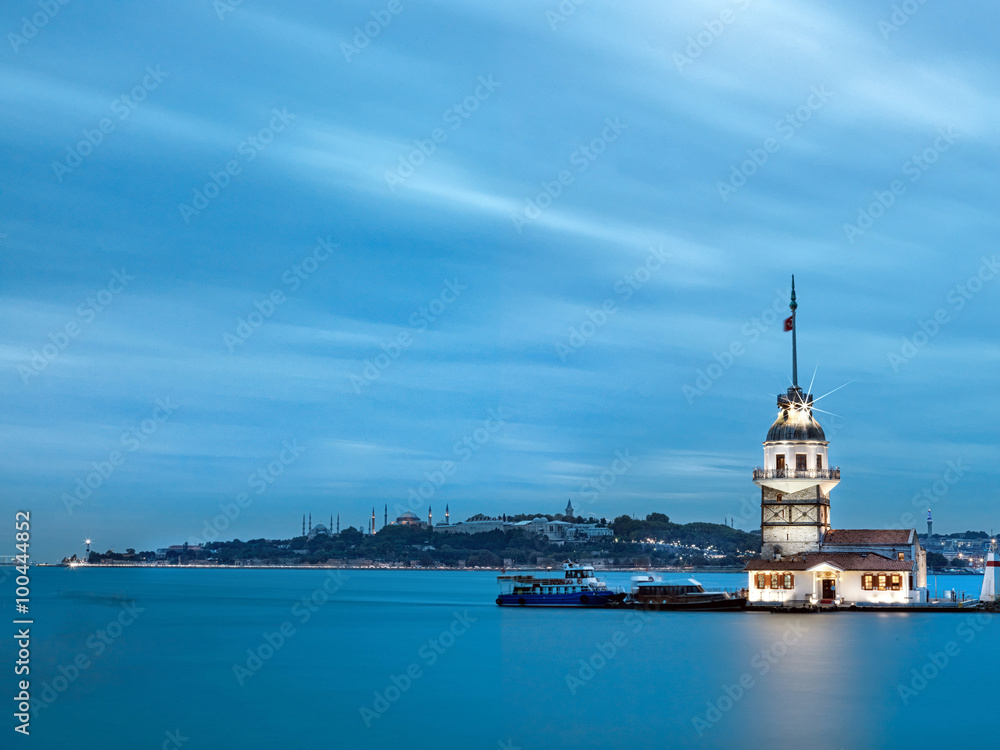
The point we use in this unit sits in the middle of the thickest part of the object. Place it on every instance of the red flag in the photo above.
(790, 323)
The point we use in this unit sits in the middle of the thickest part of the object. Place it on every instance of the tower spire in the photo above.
(793, 305)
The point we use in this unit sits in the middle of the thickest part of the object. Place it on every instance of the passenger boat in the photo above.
(650, 592)
(578, 587)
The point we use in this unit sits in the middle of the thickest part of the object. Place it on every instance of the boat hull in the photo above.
(708, 605)
(587, 599)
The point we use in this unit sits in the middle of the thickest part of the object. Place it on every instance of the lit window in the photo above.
(899, 555)
(882, 581)
(867, 582)
(789, 581)
(775, 580)
(896, 582)
(762, 580)
(777, 498)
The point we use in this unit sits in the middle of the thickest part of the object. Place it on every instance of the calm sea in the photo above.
(170, 658)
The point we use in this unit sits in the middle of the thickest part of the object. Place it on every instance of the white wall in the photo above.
(789, 450)
(848, 589)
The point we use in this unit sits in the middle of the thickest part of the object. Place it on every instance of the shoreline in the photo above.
(445, 569)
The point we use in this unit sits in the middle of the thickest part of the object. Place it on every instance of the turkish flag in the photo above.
(789, 323)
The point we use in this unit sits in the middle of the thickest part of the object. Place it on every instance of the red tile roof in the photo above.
(868, 536)
(869, 563)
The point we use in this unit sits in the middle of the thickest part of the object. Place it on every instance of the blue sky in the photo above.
(285, 258)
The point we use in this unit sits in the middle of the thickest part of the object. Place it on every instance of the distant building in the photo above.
(588, 531)
(319, 529)
(409, 518)
(554, 531)
(473, 527)
(179, 549)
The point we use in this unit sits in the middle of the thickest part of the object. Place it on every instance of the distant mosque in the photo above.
(319, 529)
(409, 518)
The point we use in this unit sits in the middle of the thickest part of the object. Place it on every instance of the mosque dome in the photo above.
(408, 518)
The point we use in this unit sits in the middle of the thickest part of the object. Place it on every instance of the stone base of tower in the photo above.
(793, 523)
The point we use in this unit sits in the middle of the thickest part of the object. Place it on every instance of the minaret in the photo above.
(796, 478)
(569, 508)
(373, 519)
(430, 517)
(989, 592)
(385, 519)
(447, 516)
(331, 522)
(303, 524)
(310, 523)
(930, 524)
(338, 523)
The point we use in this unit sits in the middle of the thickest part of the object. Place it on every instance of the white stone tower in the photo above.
(796, 478)
(989, 592)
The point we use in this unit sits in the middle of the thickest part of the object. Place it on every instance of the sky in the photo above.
(266, 259)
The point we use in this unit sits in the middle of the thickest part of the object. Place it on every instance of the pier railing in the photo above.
(760, 473)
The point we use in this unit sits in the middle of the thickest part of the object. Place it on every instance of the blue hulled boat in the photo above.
(577, 588)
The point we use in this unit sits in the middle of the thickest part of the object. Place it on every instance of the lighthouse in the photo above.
(795, 480)
(989, 592)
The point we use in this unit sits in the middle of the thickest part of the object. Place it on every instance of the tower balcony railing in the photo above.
(760, 473)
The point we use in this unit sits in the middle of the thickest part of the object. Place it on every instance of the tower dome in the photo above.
(796, 421)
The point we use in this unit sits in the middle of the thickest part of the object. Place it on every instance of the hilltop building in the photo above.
(319, 529)
(409, 518)
(554, 531)
(804, 560)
